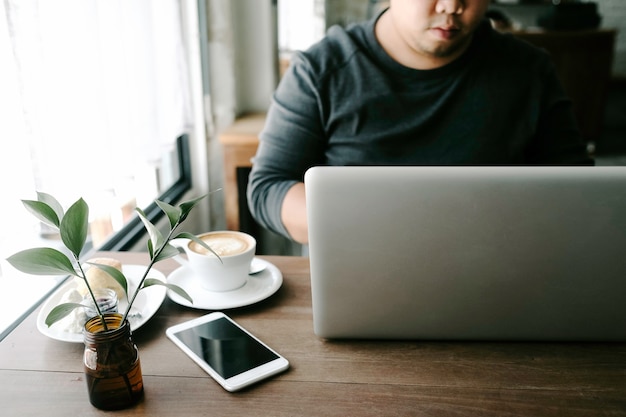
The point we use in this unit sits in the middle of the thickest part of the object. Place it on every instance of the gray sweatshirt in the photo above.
(346, 102)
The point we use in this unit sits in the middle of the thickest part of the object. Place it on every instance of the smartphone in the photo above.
(226, 351)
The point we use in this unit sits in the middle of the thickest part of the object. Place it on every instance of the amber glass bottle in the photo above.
(112, 366)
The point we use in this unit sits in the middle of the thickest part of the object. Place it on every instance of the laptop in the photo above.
(468, 253)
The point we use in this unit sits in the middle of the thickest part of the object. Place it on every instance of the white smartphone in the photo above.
(226, 351)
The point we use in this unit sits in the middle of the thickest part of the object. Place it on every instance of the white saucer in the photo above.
(146, 304)
(258, 287)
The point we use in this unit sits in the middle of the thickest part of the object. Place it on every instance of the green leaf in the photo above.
(178, 290)
(115, 273)
(75, 226)
(150, 249)
(60, 311)
(186, 235)
(186, 207)
(43, 212)
(173, 213)
(168, 251)
(52, 202)
(156, 238)
(42, 261)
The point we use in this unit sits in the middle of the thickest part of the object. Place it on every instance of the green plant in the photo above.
(73, 227)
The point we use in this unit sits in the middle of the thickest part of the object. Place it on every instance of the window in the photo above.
(301, 23)
(96, 103)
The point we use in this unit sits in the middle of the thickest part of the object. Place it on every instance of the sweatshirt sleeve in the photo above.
(290, 143)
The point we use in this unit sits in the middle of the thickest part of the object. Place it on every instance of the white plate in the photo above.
(146, 304)
(257, 288)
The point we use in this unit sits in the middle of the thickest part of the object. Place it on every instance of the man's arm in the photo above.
(293, 139)
(293, 213)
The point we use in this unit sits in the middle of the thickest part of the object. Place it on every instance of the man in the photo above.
(428, 82)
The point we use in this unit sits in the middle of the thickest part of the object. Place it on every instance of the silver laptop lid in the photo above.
(468, 253)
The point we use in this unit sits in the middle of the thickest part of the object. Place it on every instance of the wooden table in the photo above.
(43, 377)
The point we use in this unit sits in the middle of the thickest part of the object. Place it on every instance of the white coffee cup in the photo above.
(226, 273)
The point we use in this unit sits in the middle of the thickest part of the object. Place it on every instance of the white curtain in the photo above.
(93, 93)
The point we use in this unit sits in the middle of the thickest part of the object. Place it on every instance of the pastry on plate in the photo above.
(99, 279)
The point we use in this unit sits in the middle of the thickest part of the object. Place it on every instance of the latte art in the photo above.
(224, 244)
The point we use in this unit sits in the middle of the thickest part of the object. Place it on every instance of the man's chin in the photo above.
(449, 49)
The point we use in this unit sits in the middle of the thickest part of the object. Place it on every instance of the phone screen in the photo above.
(225, 347)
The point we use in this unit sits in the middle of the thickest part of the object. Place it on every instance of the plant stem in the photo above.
(149, 267)
(93, 297)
